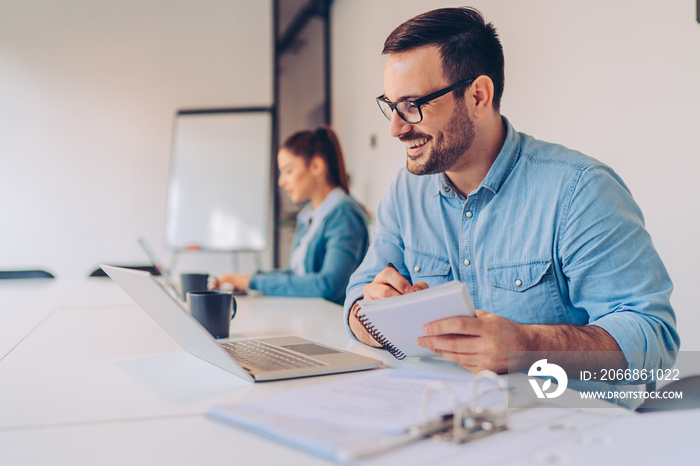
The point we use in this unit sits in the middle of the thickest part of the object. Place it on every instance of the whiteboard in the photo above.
(219, 196)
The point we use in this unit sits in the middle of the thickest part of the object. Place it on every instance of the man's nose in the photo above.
(397, 127)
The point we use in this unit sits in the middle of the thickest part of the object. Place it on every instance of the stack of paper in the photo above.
(348, 418)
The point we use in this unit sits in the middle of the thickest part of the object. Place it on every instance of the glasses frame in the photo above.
(418, 103)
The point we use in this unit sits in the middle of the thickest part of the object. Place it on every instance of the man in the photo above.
(549, 242)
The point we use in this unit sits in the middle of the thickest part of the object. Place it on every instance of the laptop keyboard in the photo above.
(268, 357)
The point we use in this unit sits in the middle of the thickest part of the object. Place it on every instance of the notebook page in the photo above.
(384, 401)
(401, 319)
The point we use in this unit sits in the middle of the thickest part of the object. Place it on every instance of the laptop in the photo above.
(257, 360)
(155, 262)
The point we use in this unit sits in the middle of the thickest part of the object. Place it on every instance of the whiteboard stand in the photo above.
(235, 262)
(235, 259)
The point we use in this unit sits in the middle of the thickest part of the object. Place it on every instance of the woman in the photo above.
(331, 237)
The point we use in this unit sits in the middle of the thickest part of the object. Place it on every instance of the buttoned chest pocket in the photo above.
(425, 267)
(525, 292)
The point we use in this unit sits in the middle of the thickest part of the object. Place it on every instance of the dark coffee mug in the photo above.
(193, 282)
(214, 310)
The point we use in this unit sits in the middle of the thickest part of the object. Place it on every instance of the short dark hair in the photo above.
(469, 47)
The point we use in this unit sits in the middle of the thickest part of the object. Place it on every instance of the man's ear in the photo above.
(480, 95)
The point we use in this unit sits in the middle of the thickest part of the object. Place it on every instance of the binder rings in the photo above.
(397, 322)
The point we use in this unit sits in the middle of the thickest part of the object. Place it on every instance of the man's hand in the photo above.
(389, 283)
(386, 283)
(483, 343)
(476, 343)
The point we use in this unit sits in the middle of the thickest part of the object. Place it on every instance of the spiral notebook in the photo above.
(397, 322)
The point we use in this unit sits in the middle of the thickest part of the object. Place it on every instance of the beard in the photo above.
(449, 145)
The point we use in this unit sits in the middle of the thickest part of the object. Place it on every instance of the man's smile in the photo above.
(414, 146)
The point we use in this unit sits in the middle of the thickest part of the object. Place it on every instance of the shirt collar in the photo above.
(505, 161)
(498, 172)
(309, 214)
(444, 186)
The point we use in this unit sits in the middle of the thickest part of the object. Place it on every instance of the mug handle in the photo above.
(234, 306)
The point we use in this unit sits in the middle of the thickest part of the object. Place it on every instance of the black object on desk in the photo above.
(193, 282)
(21, 274)
(214, 310)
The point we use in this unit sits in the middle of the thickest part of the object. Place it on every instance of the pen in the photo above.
(392, 266)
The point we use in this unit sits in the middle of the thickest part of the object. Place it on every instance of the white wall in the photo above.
(88, 91)
(618, 80)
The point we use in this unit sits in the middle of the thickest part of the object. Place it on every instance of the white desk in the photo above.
(87, 378)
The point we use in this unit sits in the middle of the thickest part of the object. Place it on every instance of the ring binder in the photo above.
(332, 419)
(472, 423)
(464, 424)
(381, 339)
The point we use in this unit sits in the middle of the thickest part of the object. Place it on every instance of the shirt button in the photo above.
(469, 214)
(518, 282)
(466, 262)
(416, 269)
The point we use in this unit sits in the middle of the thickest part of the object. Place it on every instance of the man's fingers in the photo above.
(387, 283)
(378, 291)
(468, 352)
(450, 344)
(473, 342)
(420, 286)
(454, 325)
(389, 276)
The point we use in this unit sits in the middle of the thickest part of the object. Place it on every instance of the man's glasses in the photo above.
(410, 110)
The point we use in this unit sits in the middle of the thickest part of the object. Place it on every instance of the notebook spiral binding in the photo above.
(374, 333)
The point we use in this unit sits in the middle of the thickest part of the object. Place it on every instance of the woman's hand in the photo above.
(238, 281)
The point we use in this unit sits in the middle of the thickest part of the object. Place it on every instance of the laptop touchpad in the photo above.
(311, 349)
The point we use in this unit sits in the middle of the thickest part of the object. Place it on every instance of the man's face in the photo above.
(446, 132)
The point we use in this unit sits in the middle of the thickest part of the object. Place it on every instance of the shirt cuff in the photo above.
(254, 282)
(350, 301)
(638, 340)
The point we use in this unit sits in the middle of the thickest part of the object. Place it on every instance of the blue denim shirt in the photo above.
(551, 236)
(334, 252)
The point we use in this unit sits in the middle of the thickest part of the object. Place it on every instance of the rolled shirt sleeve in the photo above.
(613, 271)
